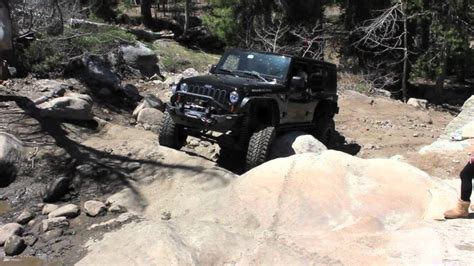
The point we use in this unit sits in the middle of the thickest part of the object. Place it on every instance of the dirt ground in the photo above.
(374, 126)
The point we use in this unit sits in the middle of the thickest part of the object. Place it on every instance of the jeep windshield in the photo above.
(265, 67)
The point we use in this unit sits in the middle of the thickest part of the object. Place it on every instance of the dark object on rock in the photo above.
(57, 189)
(14, 245)
(201, 36)
(25, 217)
(131, 92)
(11, 155)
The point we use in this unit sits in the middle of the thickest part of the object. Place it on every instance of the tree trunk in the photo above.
(442, 75)
(425, 27)
(187, 11)
(405, 54)
(6, 45)
(145, 7)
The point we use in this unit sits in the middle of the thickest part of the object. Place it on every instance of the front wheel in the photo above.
(259, 147)
(171, 135)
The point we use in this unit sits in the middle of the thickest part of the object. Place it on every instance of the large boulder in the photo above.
(457, 137)
(331, 208)
(295, 143)
(150, 116)
(11, 155)
(149, 101)
(462, 119)
(467, 131)
(187, 73)
(142, 58)
(73, 106)
(95, 71)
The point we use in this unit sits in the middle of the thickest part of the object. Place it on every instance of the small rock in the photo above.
(49, 208)
(52, 234)
(86, 170)
(94, 208)
(416, 135)
(132, 166)
(57, 222)
(166, 216)
(116, 208)
(57, 189)
(138, 109)
(420, 103)
(14, 245)
(8, 230)
(25, 217)
(68, 210)
(30, 240)
(31, 223)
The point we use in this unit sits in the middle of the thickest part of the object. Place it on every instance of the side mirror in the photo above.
(213, 68)
(297, 82)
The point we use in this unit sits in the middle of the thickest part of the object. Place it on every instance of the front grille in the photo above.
(217, 94)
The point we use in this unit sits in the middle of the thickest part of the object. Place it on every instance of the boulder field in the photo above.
(330, 208)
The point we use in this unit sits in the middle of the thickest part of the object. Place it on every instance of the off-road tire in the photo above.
(171, 135)
(325, 129)
(259, 147)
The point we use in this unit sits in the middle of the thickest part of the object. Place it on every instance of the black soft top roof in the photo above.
(298, 58)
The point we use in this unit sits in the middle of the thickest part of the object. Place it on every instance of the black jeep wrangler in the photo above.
(249, 98)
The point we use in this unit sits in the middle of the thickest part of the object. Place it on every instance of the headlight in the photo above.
(173, 88)
(234, 97)
(183, 87)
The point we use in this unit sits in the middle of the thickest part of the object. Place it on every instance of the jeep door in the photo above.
(300, 106)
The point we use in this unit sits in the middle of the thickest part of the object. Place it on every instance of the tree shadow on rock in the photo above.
(113, 171)
(340, 143)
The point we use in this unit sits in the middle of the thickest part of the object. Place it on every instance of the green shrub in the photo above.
(48, 53)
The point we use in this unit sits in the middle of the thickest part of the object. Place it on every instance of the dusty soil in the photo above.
(384, 128)
(380, 127)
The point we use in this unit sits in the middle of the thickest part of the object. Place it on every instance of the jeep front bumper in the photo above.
(203, 120)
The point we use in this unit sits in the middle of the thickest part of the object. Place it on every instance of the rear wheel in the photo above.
(172, 135)
(259, 147)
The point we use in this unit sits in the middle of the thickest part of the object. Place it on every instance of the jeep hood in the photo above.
(231, 82)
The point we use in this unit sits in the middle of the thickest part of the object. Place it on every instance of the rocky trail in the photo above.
(103, 191)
